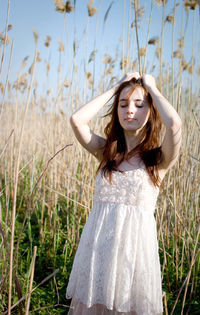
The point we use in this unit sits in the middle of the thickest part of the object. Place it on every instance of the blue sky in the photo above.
(88, 33)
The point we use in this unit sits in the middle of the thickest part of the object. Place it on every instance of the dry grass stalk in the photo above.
(5, 146)
(24, 297)
(31, 280)
(135, 3)
(6, 83)
(15, 188)
(4, 45)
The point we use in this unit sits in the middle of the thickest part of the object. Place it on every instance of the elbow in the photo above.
(178, 123)
(73, 120)
(175, 124)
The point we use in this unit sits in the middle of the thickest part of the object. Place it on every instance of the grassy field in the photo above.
(47, 179)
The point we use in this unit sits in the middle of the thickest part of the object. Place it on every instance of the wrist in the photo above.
(115, 87)
(152, 89)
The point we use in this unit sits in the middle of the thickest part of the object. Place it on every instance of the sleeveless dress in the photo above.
(116, 268)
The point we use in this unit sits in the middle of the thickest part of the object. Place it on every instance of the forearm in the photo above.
(168, 114)
(88, 111)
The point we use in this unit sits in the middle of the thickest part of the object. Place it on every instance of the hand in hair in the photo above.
(130, 75)
(148, 81)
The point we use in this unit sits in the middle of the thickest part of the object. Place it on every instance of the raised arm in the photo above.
(80, 119)
(170, 118)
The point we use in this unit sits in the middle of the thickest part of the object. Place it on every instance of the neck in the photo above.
(133, 138)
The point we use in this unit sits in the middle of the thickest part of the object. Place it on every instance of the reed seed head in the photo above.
(191, 4)
(66, 83)
(47, 68)
(21, 83)
(180, 42)
(190, 69)
(91, 10)
(74, 47)
(63, 7)
(177, 54)
(107, 59)
(123, 63)
(47, 41)
(153, 40)
(184, 64)
(38, 59)
(134, 65)
(92, 56)
(109, 70)
(170, 19)
(161, 2)
(90, 84)
(142, 52)
(158, 51)
(10, 27)
(61, 46)
(35, 34)
(152, 68)
(1, 87)
(23, 64)
(139, 12)
(4, 39)
(88, 75)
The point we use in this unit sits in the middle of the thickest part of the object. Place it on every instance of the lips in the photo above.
(130, 118)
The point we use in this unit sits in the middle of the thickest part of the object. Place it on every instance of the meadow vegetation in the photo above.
(47, 179)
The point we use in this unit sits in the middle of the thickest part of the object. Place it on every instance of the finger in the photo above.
(136, 75)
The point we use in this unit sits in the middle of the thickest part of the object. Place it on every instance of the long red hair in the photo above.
(149, 150)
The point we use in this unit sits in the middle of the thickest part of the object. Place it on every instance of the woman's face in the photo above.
(133, 109)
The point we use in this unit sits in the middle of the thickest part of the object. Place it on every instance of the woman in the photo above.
(116, 269)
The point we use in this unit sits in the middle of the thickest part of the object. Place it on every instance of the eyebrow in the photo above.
(123, 100)
(126, 99)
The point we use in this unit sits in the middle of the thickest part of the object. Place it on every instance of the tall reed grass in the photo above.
(46, 178)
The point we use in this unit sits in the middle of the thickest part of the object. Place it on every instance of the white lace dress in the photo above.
(116, 269)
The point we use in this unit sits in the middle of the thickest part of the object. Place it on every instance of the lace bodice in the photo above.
(132, 187)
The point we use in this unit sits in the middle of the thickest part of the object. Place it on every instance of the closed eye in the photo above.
(123, 105)
(139, 103)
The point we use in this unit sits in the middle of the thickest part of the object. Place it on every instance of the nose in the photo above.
(131, 108)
